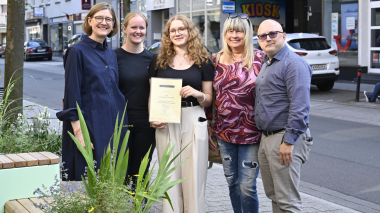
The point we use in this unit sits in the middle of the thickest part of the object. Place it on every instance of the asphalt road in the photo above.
(344, 158)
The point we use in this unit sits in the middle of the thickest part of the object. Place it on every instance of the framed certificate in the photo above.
(165, 101)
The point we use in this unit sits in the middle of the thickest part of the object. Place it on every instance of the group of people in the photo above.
(262, 101)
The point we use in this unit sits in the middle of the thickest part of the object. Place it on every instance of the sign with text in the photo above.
(38, 12)
(159, 4)
(86, 4)
(228, 7)
(350, 14)
(259, 10)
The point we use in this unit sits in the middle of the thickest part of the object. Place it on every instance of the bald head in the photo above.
(271, 45)
(272, 24)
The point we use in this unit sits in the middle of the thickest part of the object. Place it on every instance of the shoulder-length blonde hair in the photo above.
(243, 25)
(129, 16)
(96, 8)
(195, 49)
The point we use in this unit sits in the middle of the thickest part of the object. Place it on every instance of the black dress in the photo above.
(91, 80)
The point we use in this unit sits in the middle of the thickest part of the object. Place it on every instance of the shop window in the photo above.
(213, 4)
(375, 17)
(213, 30)
(183, 5)
(4, 9)
(340, 28)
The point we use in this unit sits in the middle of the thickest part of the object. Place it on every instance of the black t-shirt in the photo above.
(193, 76)
(134, 81)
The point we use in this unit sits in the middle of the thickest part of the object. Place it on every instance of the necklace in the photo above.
(235, 60)
(180, 63)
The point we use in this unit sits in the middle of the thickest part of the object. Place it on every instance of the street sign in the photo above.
(228, 6)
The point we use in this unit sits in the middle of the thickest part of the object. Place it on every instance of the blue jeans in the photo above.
(241, 167)
(375, 93)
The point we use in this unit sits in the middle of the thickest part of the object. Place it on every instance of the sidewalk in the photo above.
(339, 104)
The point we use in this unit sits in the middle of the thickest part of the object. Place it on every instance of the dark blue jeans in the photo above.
(375, 93)
(241, 167)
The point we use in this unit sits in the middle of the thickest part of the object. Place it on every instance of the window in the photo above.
(205, 14)
(4, 9)
(37, 43)
(309, 44)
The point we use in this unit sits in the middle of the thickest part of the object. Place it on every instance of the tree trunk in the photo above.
(126, 7)
(14, 52)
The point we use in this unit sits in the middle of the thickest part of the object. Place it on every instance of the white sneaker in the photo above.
(366, 96)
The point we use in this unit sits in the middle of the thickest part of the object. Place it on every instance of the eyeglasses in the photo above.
(241, 15)
(272, 34)
(180, 30)
(100, 19)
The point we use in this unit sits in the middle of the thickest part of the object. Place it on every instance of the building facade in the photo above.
(3, 20)
(56, 21)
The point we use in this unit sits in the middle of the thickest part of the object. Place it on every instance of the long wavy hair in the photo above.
(195, 49)
(243, 25)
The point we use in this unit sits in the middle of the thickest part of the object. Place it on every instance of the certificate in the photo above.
(165, 101)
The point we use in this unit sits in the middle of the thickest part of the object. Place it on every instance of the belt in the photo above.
(189, 104)
(267, 133)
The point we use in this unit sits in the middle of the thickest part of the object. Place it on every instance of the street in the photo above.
(345, 155)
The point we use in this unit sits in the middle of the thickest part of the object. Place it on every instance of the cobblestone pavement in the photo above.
(218, 200)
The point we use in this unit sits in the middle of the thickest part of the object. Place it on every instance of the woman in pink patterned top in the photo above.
(235, 128)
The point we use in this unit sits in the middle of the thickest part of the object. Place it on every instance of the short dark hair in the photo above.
(96, 8)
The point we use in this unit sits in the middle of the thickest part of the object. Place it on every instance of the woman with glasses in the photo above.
(182, 55)
(234, 127)
(92, 82)
(133, 61)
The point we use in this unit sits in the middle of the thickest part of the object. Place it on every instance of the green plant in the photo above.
(113, 168)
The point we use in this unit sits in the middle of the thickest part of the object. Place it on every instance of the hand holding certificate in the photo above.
(165, 100)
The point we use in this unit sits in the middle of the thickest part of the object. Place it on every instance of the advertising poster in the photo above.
(259, 11)
(375, 58)
(334, 28)
(349, 13)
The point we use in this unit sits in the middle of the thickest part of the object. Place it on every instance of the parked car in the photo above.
(74, 39)
(2, 47)
(37, 49)
(322, 58)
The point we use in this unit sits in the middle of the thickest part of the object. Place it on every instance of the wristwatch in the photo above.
(288, 143)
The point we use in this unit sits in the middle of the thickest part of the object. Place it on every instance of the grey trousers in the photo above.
(281, 182)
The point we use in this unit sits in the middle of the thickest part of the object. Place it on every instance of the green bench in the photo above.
(21, 174)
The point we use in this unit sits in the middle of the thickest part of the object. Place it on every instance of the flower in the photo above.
(92, 209)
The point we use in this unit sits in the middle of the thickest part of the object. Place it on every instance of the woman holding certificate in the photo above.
(236, 132)
(133, 61)
(91, 81)
(183, 56)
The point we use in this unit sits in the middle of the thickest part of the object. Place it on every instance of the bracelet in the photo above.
(204, 98)
(75, 131)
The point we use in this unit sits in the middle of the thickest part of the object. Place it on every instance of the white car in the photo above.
(322, 58)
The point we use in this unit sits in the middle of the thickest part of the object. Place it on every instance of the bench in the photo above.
(21, 174)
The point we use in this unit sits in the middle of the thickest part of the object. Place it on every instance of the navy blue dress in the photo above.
(91, 80)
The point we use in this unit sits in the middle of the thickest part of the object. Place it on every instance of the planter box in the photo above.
(21, 174)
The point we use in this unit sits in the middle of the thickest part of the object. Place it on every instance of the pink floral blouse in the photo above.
(235, 101)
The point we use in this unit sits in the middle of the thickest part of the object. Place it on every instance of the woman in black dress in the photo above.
(91, 80)
(133, 61)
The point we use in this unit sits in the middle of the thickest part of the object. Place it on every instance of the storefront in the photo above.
(60, 31)
(373, 37)
(32, 27)
(78, 21)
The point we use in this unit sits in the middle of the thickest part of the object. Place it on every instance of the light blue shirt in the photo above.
(283, 94)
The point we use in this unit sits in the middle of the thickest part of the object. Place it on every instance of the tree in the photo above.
(14, 52)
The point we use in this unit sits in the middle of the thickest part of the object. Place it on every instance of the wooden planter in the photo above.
(21, 174)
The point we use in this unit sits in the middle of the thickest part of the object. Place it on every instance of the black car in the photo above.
(37, 49)
(75, 39)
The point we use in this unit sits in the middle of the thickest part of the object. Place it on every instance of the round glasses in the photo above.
(180, 30)
(100, 19)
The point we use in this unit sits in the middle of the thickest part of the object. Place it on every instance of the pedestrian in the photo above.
(282, 113)
(182, 55)
(375, 94)
(133, 61)
(91, 81)
(235, 129)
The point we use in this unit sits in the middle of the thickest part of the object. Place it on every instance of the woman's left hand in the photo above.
(187, 91)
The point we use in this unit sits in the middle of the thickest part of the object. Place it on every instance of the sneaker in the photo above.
(366, 97)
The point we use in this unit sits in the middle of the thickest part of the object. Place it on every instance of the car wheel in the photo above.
(1, 55)
(25, 58)
(326, 86)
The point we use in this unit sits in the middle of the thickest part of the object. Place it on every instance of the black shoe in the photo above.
(366, 97)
